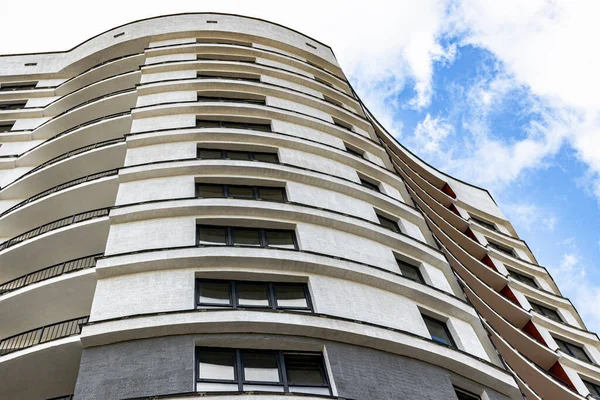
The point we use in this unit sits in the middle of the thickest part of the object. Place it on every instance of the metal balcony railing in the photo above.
(55, 225)
(49, 272)
(60, 187)
(41, 335)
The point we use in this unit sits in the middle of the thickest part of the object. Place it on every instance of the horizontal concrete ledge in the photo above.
(239, 259)
(397, 342)
(240, 396)
(71, 342)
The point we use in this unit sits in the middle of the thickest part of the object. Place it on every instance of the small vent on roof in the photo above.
(30, 64)
(311, 46)
(119, 34)
(212, 22)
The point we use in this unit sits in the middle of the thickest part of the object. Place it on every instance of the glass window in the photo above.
(280, 239)
(216, 364)
(241, 192)
(208, 154)
(462, 394)
(212, 235)
(485, 224)
(207, 124)
(238, 155)
(291, 296)
(260, 371)
(260, 366)
(246, 236)
(369, 185)
(214, 293)
(573, 350)
(305, 370)
(522, 278)
(439, 331)
(253, 294)
(410, 271)
(545, 311)
(593, 388)
(273, 194)
(388, 223)
(266, 157)
(502, 248)
(210, 191)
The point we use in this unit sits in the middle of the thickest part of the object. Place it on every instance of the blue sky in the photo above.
(502, 94)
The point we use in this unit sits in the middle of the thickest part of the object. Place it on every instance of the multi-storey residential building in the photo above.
(199, 205)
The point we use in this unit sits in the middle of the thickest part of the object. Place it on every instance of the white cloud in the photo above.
(529, 216)
(430, 133)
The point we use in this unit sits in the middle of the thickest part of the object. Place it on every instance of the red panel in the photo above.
(448, 190)
(532, 331)
(470, 234)
(558, 372)
(453, 208)
(488, 261)
(508, 293)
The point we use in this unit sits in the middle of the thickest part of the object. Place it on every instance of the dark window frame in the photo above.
(565, 347)
(489, 225)
(220, 99)
(234, 125)
(263, 236)
(13, 105)
(388, 223)
(225, 155)
(355, 151)
(256, 190)
(522, 278)
(502, 248)
(6, 126)
(545, 311)
(593, 388)
(452, 343)
(402, 263)
(271, 295)
(230, 75)
(471, 396)
(16, 86)
(238, 367)
(225, 57)
(369, 184)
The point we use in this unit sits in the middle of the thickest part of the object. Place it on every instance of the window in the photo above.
(324, 82)
(227, 75)
(13, 86)
(211, 99)
(207, 190)
(12, 105)
(200, 123)
(439, 331)
(6, 126)
(593, 388)
(410, 271)
(354, 151)
(522, 278)
(212, 235)
(388, 223)
(483, 223)
(463, 394)
(268, 295)
(573, 350)
(214, 154)
(225, 57)
(244, 370)
(501, 248)
(545, 311)
(342, 124)
(369, 184)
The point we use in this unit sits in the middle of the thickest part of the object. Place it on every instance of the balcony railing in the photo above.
(41, 335)
(49, 272)
(62, 186)
(55, 225)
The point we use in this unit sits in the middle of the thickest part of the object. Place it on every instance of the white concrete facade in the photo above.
(99, 215)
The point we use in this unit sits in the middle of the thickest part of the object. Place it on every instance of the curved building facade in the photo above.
(199, 205)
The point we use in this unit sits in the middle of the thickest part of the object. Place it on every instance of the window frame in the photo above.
(355, 151)
(369, 184)
(255, 191)
(230, 240)
(452, 343)
(458, 390)
(6, 126)
(385, 221)
(225, 155)
(594, 386)
(502, 248)
(17, 86)
(527, 280)
(251, 126)
(567, 349)
(411, 266)
(238, 367)
(220, 99)
(271, 296)
(479, 221)
(542, 310)
(13, 105)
